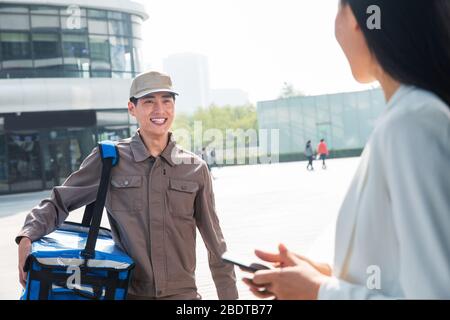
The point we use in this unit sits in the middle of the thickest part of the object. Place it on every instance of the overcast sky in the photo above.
(253, 45)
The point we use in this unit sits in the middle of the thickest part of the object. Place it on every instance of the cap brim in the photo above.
(147, 92)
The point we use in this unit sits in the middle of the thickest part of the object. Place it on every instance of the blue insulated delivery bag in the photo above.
(80, 261)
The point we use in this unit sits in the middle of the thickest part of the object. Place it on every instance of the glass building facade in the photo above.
(344, 120)
(40, 148)
(50, 41)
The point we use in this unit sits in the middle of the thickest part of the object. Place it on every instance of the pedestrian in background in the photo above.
(205, 158)
(213, 158)
(309, 153)
(322, 151)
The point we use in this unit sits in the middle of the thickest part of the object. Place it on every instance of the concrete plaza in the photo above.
(259, 206)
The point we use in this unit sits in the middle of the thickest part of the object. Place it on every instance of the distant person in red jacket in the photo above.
(322, 151)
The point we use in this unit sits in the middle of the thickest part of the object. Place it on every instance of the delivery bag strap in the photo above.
(93, 212)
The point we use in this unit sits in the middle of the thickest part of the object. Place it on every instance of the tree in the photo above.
(288, 91)
(221, 118)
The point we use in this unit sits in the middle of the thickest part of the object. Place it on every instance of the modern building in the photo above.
(344, 120)
(190, 75)
(65, 73)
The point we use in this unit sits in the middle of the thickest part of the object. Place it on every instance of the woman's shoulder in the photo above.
(412, 106)
(415, 102)
(413, 115)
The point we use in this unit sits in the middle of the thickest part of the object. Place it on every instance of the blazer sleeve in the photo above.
(416, 163)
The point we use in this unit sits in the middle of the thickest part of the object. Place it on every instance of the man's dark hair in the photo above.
(413, 44)
(322, 140)
(135, 101)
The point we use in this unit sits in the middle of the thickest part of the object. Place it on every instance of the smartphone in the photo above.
(244, 265)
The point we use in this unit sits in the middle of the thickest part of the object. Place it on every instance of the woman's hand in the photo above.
(286, 258)
(295, 278)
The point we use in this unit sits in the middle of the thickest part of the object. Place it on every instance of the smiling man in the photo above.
(158, 195)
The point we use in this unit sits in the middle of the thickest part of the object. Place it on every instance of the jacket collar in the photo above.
(140, 152)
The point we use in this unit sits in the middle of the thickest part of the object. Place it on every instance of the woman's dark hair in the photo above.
(413, 44)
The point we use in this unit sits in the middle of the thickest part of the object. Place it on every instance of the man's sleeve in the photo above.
(79, 189)
(209, 227)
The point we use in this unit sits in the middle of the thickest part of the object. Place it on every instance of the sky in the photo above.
(253, 45)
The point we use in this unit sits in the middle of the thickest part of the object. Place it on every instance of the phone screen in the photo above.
(243, 264)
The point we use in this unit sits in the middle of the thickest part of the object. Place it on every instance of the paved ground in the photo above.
(259, 206)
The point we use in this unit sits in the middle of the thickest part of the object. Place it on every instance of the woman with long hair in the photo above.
(393, 230)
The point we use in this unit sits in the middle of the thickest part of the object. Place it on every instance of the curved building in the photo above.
(65, 73)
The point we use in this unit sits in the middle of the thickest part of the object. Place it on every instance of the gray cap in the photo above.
(150, 82)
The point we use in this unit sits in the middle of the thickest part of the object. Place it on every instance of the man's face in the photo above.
(154, 113)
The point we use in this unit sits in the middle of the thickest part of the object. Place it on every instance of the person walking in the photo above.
(322, 151)
(309, 153)
(205, 158)
(213, 158)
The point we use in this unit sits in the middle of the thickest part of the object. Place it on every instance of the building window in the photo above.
(113, 133)
(75, 46)
(98, 26)
(16, 55)
(24, 161)
(14, 22)
(137, 30)
(13, 8)
(137, 55)
(68, 41)
(76, 55)
(44, 10)
(47, 54)
(120, 28)
(46, 45)
(44, 23)
(117, 15)
(120, 54)
(100, 58)
(97, 14)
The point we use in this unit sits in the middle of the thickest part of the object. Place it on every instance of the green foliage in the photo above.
(221, 118)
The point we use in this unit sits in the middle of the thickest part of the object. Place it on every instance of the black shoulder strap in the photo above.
(93, 212)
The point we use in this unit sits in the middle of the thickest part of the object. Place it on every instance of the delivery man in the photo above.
(158, 195)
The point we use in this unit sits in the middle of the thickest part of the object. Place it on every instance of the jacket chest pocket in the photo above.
(181, 196)
(126, 193)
